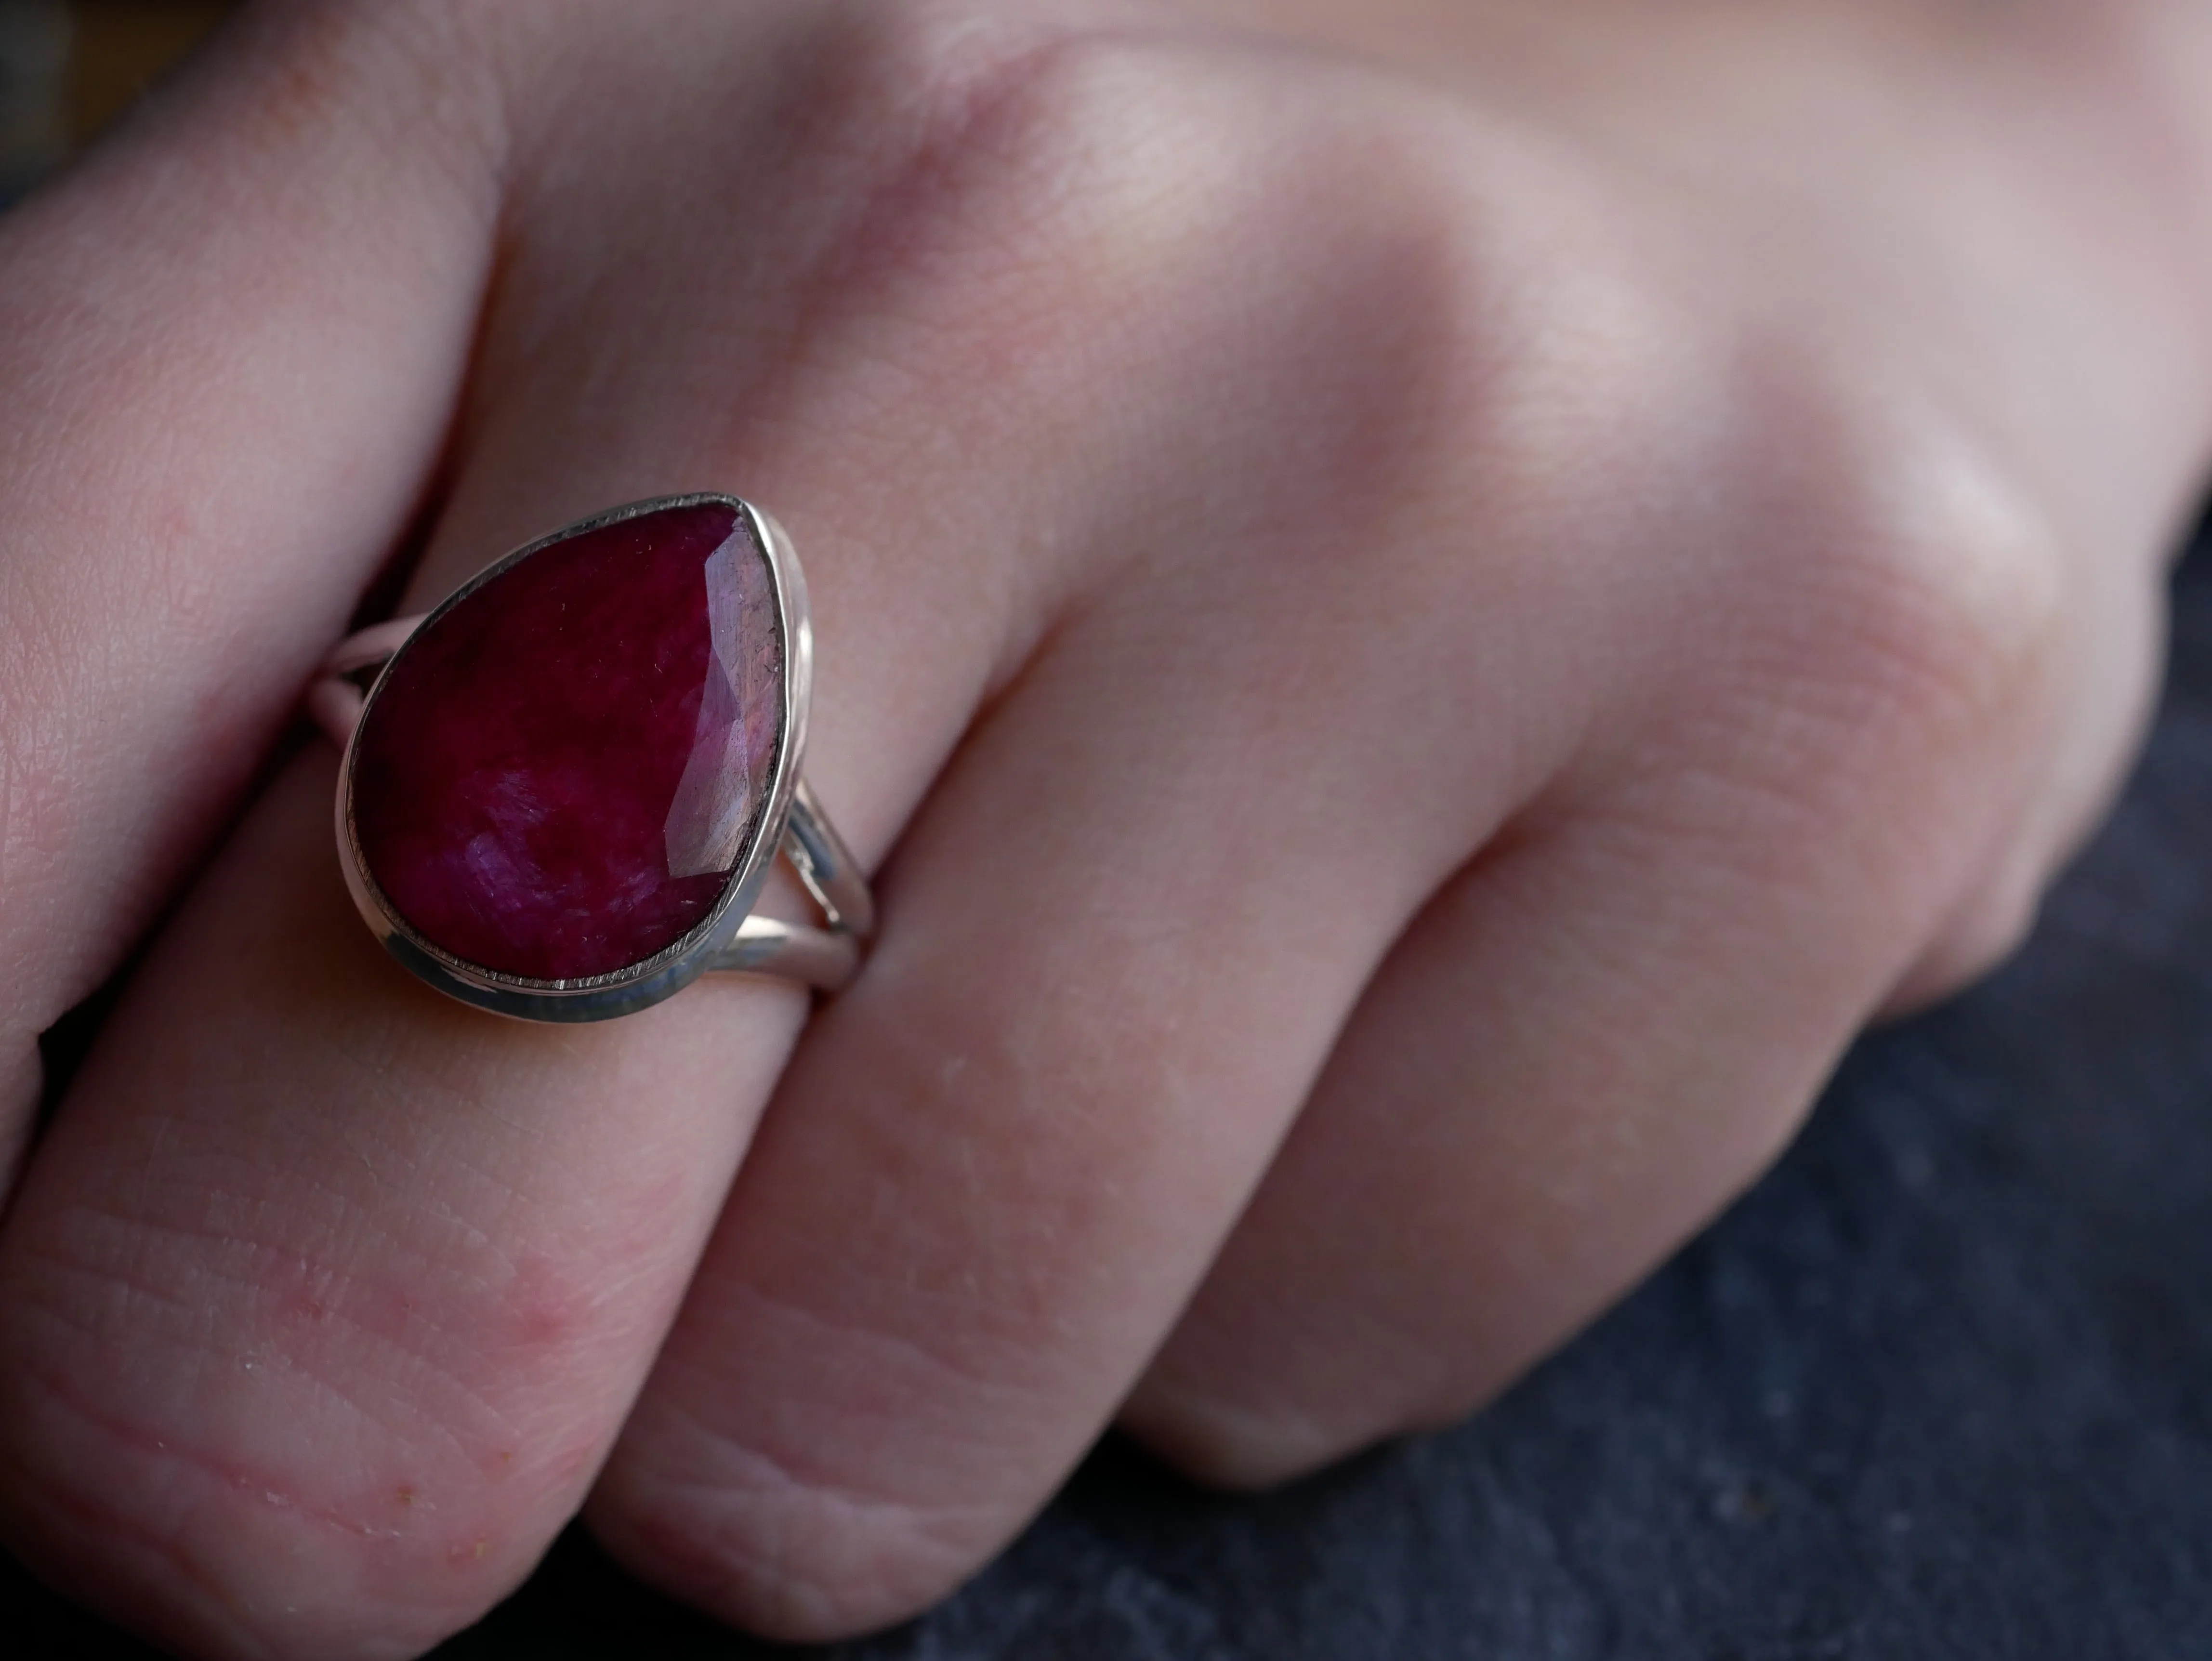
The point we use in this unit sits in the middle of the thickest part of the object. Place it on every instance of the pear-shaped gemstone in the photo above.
(558, 776)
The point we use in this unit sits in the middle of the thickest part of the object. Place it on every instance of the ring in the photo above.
(562, 790)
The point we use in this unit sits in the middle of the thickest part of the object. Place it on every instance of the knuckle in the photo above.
(1519, 282)
(1083, 170)
(1415, 299)
(211, 1546)
(1867, 647)
(1929, 592)
(976, 133)
(769, 1541)
(346, 1473)
(1953, 586)
(1475, 321)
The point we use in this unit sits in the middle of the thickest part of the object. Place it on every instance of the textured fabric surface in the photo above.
(1936, 1388)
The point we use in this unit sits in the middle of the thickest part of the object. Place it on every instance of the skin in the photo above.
(1422, 610)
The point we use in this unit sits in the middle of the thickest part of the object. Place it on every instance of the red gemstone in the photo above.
(558, 777)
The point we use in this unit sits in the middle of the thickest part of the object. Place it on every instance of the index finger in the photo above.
(222, 387)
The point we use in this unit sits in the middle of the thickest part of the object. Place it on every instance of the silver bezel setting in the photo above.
(714, 938)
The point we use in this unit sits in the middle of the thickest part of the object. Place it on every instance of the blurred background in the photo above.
(68, 68)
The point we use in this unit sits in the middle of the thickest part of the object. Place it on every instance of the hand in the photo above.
(1424, 612)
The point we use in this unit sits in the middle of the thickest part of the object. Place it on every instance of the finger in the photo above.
(1564, 1069)
(321, 1292)
(1608, 1027)
(1002, 1159)
(225, 384)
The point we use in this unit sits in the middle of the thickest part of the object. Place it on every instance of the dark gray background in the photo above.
(1937, 1388)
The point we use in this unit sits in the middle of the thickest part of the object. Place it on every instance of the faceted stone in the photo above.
(557, 778)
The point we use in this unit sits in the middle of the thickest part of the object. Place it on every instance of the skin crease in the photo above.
(1422, 611)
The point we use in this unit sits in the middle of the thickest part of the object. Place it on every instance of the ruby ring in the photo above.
(563, 789)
